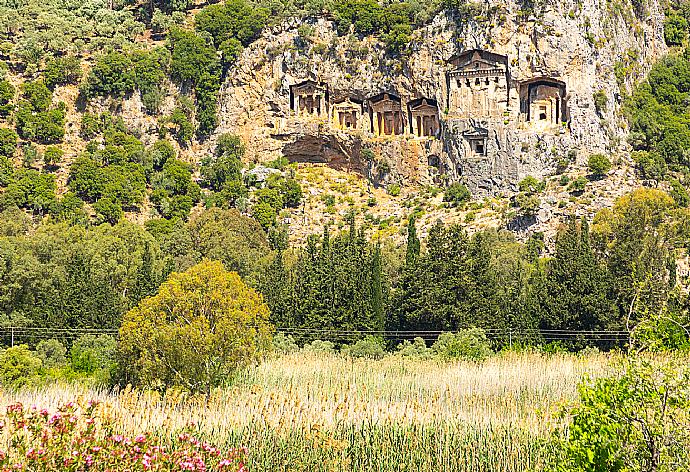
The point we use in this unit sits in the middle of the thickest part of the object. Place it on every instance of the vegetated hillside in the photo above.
(103, 95)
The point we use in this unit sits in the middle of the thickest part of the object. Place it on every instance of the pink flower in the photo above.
(140, 439)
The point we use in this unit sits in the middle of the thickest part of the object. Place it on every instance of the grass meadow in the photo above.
(326, 412)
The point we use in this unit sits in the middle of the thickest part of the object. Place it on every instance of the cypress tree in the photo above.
(413, 244)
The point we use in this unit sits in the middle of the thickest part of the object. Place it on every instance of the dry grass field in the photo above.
(327, 412)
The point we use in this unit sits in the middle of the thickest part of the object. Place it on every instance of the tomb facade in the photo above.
(309, 98)
(478, 85)
(424, 120)
(386, 115)
(543, 102)
(347, 113)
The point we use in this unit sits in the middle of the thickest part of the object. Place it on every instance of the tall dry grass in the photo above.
(327, 412)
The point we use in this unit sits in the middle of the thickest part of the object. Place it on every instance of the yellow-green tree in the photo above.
(202, 325)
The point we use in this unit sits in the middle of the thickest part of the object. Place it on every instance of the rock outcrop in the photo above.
(486, 101)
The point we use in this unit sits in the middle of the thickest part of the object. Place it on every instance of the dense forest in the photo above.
(70, 259)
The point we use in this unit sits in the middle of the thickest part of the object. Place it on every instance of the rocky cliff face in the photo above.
(521, 104)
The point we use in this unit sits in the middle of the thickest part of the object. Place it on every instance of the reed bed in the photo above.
(327, 412)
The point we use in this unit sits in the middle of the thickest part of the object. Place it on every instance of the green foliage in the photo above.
(232, 20)
(112, 75)
(265, 214)
(531, 185)
(225, 164)
(18, 366)
(90, 353)
(457, 194)
(52, 353)
(36, 119)
(108, 209)
(182, 126)
(675, 30)
(393, 190)
(62, 71)
(150, 70)
(30, 189)
(8, 142)
(679, 193)
(634, 420)
(284, 344)
(470, 343)
(160, 152)
(416, 349)
(600, 102)
(578, 185)
(202, 325)
(52, 155)
(7, 92)
(393, 22)
(370, 347)
(598, 164)
(650, 164)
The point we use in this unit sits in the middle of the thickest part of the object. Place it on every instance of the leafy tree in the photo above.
(32, 190)
(36, 118)
(150, 70)
(108, 209)
(112, 75)
(679, 193)
(633, 420)
(52, 155)
(182, 127)
(599, 165)
(232, 20)
(675, 30)
(18, 366)
(161, 151)
(62, 71)
(86, 178)
(202, 325)
(468, 343)
(90, 353)
(413, 243)
(226, 163)
(8, 142)
(265, 214)
(52, 353)
(457, 194)
(7, 92)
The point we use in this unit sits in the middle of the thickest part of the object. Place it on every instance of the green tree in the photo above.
(457, 194)
(636, 419)
(112, 75)
(202, 325)
(62, 71)
(8, 142)
(7, 92)
(226, 163)
(413, 243)
(18, 366)
(599, 165)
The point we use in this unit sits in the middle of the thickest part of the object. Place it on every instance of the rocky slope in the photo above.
(591, 47)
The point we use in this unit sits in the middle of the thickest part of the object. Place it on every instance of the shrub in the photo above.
(578, 185)
(393, 190)
(112, 74)
(160, 152)
(679, 193)
(318, 346)
(52, 155)
(370, 347)
(52, 353)
(62, 71)
(7, 92)
(90, 354)
(417, 348)
(202, 325)
(675, 30)
(457, 194)
(600, 102)
(8, 142)
(598, 165)
(18, 366)
(226, 163)
(284, 344)
(108, 209)
(468, 343)
(84, 438)
(531, 185)
(265, 214)
(633, 420)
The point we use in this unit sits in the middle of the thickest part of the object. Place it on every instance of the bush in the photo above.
(600, 102)
(679, 193)
(84, 438)
(417, 348)
(202, 325)
(393, 190)
(578, 185)
(62, 71)
(457, 194)
(318, 346)
(111, 75)
(265, 214)
(634, 420)
(599, 165)
(8, 142)
(18, 366)
(468, 343)
(370, 347)
(531, 185)
(108, 210)
(90, 354)
(7, 92)
(284, 344)
(675, 30)
(52, 155)
(52, 353)
(226, 163)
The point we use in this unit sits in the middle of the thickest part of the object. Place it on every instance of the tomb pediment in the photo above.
(308, 87)
(478, 60)
(423, 105)
(476, 133)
